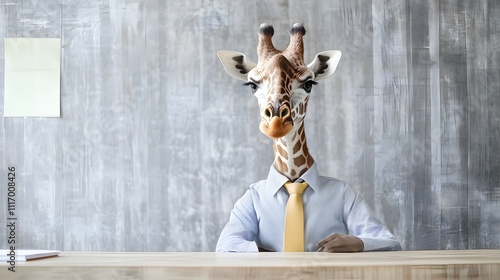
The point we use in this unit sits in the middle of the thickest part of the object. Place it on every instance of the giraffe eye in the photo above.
(253, 85)
(307, 86)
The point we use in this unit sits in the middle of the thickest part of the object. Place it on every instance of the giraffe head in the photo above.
(280, 80)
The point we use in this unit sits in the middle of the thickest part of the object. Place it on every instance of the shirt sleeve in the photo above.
(240, 232)
(362, 223)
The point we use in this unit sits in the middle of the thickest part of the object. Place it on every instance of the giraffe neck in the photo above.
(291, 155)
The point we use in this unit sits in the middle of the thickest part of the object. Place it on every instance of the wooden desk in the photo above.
(470, 264)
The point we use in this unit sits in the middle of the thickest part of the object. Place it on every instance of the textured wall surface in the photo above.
(156, 142)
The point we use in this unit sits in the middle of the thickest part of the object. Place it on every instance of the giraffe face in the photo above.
(280, 81)
(282, 90)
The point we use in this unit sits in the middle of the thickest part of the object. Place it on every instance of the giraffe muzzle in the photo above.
(276, 121)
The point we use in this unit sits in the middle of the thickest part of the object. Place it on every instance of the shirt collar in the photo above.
(276, 180)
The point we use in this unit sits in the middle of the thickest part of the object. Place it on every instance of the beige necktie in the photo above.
(294, 218)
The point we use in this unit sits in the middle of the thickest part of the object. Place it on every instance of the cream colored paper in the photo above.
(32, 77)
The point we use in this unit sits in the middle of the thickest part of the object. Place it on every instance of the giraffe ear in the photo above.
(324, 64)
(237, 65)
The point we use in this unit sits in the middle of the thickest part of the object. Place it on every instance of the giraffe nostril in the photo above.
(284, 113)
(268, 113)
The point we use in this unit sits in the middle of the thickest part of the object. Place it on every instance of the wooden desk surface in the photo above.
(467, 264)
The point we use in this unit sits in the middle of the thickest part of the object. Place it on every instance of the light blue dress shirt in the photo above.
(330, 206)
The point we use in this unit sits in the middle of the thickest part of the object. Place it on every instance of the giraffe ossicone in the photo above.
(282, 82)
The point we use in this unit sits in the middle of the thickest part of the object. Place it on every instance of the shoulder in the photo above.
(252, 195)
(330, 182)
(337, 187)
(256, 189)
(258, 186)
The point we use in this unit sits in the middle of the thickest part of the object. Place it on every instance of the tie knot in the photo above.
(295, 187)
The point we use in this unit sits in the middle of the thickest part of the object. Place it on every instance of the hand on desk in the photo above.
(336, 243)
(264, 250)
(340, 243)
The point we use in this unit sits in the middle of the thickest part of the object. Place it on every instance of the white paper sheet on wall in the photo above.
(32, 77)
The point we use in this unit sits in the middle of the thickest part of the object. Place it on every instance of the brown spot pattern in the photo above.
(282, 152)
(303, 137)
(301, 130)
(305, 149)
(297, 147)
(299, 161)
(302, 171)
(282, 143)
(281, 165)
(310, 160)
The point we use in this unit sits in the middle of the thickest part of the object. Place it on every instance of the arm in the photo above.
(362, 223)
(239, 233)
